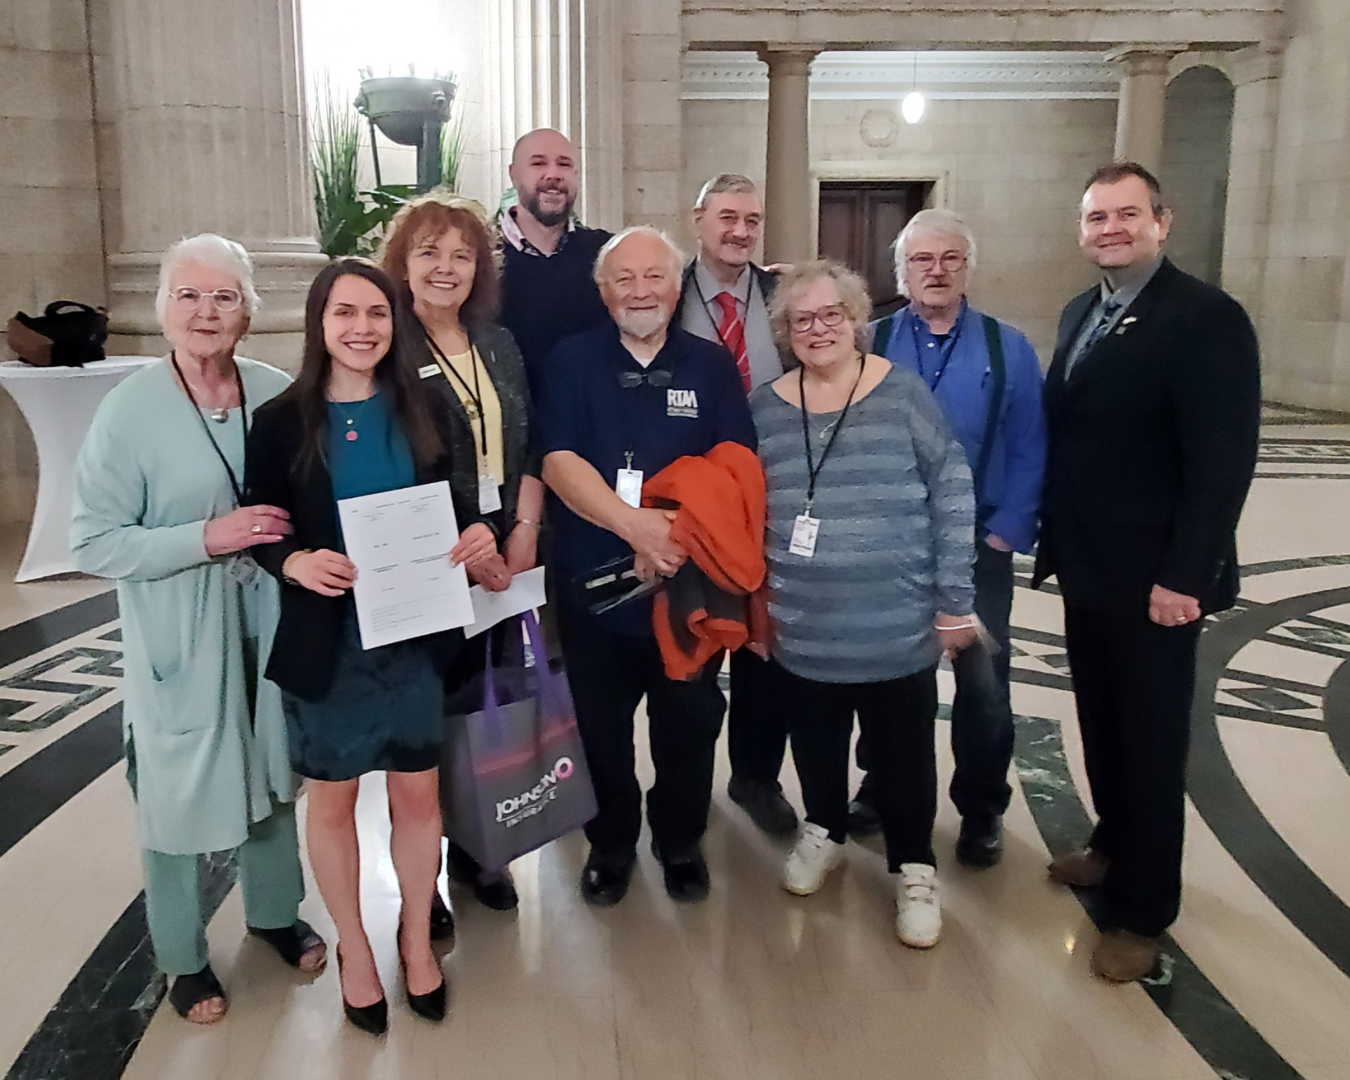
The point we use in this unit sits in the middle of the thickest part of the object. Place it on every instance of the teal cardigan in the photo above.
(204, 729)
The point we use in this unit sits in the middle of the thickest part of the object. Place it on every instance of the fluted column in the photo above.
(559, 63)
(210, 134)
(787, 182)
(1143, 94)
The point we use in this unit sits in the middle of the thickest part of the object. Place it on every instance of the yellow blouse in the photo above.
(464, 368)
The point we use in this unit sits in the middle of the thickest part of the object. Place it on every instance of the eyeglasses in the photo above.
(830, 317)
(658, 377)
(951, 261)
(223, 299)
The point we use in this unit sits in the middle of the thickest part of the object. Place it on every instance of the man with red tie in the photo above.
(725, 298)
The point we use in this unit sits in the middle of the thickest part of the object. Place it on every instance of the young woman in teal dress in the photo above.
(357, 421)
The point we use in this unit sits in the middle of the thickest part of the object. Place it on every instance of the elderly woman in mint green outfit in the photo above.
(157, 510)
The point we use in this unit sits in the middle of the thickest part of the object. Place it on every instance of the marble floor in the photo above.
(754, 983)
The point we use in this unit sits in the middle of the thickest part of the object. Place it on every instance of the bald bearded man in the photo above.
(548, 288)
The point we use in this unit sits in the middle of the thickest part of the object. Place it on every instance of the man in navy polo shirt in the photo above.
(619, 404)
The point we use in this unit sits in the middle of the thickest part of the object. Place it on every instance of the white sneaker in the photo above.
(918, 918)
(814, 856)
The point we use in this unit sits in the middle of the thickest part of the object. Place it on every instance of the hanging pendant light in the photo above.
(912, 107)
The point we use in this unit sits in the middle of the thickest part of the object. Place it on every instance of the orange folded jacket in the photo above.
(719, 501)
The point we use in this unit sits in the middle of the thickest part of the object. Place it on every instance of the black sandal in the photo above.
(189, 991)
(293, 942)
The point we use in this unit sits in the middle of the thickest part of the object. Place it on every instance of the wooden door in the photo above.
(859, 222)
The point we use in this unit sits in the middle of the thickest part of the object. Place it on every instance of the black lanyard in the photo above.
(669, 368)
(243, 421)
(717, 323)
(812, 467)
(945, 349)
(475, 391)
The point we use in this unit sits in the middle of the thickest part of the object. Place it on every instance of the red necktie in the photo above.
(732, 332)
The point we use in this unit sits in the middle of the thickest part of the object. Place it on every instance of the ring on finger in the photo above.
(256, 530)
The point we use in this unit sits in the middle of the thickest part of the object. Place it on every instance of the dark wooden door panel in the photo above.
(840, 215)
(860, 221)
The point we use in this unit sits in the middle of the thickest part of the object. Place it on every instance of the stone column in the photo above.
(1251, 173)
(787, 184)
(653, 117)
(210, 131)
(558, 63)
(599, 128)
(1143, 92)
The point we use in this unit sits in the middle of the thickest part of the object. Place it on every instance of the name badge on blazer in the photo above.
(428, 371)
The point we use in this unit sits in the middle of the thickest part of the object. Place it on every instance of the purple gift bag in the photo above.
(514, 775)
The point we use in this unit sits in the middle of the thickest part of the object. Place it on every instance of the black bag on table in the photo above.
(66, 334)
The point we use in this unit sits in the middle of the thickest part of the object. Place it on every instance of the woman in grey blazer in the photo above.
(443, 254)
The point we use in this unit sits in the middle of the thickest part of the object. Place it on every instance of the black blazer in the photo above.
(305, 651)
(1152, 448)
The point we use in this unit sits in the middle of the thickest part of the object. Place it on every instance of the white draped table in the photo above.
(59, 404)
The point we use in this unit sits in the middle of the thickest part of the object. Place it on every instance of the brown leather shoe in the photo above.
(1084, 868)
(1122, 956)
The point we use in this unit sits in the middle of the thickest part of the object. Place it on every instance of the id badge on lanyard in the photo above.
(804, 531)
(489, 494)
(628, 483)
(805, 527)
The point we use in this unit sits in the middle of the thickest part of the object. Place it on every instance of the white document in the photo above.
(525, 593)
(400, 542)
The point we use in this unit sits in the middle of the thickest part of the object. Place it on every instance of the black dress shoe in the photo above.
(373, 1019)
(765, 804)
(430, 1006)
(980, 844)
(605, 878)
(442, 922)
(863, 819)
(498, 892)
(686, 874)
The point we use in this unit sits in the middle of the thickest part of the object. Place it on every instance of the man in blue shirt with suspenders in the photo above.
(987, 379)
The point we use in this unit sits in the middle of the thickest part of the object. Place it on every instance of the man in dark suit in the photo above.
(725, 298)
(1153, 406)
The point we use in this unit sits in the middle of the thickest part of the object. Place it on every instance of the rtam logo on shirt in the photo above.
(682, 403)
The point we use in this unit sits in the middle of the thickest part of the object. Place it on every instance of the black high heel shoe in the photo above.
(431, 1005)
(370, 1018)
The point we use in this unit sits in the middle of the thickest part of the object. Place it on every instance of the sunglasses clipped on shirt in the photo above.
(658, 377)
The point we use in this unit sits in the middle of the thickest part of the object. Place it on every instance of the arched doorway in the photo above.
(1197, 137)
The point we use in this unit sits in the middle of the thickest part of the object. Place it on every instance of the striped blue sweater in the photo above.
(896, 540)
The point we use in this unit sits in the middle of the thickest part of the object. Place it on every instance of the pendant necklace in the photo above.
(827, 429)
(351, 420)
(220, 416)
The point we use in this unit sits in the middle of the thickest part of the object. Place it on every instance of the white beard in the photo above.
(642, 324)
